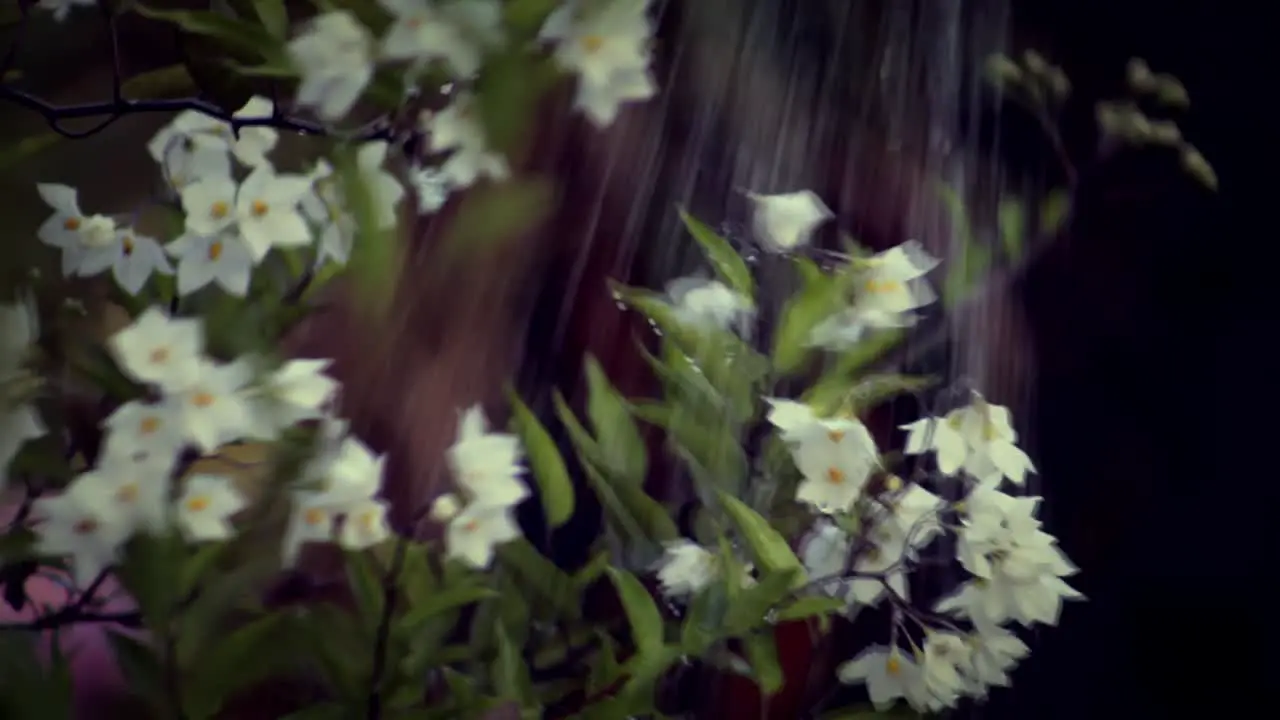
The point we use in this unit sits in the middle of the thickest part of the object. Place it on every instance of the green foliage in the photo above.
(554, 488)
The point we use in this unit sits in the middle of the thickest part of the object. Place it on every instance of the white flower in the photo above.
(334, 54)
(85, 523)
(457, 128)
(204, 511)
(263, 209)
(937, 435)
(1018, 568)
(158, 349)
(825, 552)
(350, 476)
(62, 229)
(296, 391)
(19, 422)
(255, 141)
(487, 465)
(886, 671)
(835, 456)
(891, 284)
(608, 49)
(210, 405)
(131, 257)
(365, 525)
(445, 508)
(710, 304)
(988, 431)
(222, 258)
(943, 656)
(993, 652)
(139, 490)
(312, 520)
(790, 417)
(686, 568)
(787, 220)
(143, 432)
(455, 32)
(325, 205)
(473, 534)
(431, 186)
(60, 8)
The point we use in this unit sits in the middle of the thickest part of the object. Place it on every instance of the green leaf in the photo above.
(710, 444)
(703, 622)
(1055, 209)
(542, 576)
(818, 299)
(235, 34)
(507, 93)
(835, 392)
(750, 608)
(365, 578)
(142, 668)
(322, 711)
(605, 668)
(445, 599)
(251, 654)
(729, 265)
(554, 487)
(197, 566)
(621, 446)
(809, 607)
(274, 17)
(166, 82)
(330, 637)
(647, 630)
(1012, 220)
(771, 551)
(510, 676)
(626, 504)
(526, 17)
(26, 147)
(150, 566)
(492, 214)
(761, 649)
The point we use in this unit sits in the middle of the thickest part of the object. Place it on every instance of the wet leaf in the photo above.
(647, 630)
(761, 649)
(1012, 219)
(17, 152)
(729, 265)
(770, 550)
(1055, 209)
(621, 446)
(554, 488)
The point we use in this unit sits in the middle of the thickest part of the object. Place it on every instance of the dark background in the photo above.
(1150, 420)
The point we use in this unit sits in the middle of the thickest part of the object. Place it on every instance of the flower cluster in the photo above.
(871, 527)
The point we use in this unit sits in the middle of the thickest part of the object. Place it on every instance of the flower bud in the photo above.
(1139, 76)
(1035, 63)
(1196, 164)
(445, 508)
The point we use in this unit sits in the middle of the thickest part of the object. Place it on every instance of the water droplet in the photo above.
(621, 305)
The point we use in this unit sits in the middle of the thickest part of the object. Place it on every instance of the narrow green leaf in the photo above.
(703, 622)
(620, 443)
(274, 17)
(366, 584)
(1012, 220)
(442, 601)
(762, 654)
(751, 606)
(712, 445)
(15, 153)
(541, 576)
(818, 299)
(171, 81)
(554, 487)
(197, 565)
(642, 613)
(510, 676)
(140, 665)
(770, 550)
(605, 668)
(239, 660)
(375, 255)
(1054, 211)
(811, 606)
(729, 265)
(236, 34)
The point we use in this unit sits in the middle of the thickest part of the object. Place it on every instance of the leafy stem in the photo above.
(373, 706)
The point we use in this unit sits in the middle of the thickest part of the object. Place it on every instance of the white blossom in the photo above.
(158, 349)
(223, 258)
(888, 673)
(132, 258)
(457, 127)
(139, 431)
(297, 391)
(191, 147)
(836, 456)
(206, 506)
(786, 221)
(63, 229)
(251, 145)
(993, 652)
(486, 465)
(263, 210)
(351, 476)
(791, 418)
(334, 54)
(889, 287)
(454, 32)
(686, 568)
(212, 410)
(19, 420)
(608, 49)
(312, 521)
(475, 532)
(710, 304)
(365, 525)
(84, 523)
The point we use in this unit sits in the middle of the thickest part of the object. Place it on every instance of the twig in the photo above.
(373, 708)
(76, 612)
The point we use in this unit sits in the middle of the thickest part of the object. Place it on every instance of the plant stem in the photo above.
(373, 707)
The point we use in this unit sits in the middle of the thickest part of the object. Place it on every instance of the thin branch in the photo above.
(373, 707)
(78, 612)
